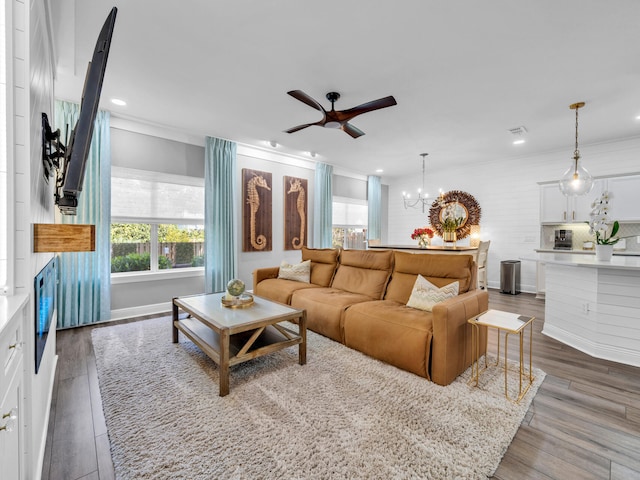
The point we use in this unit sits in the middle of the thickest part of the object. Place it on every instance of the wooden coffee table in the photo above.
(234, 335)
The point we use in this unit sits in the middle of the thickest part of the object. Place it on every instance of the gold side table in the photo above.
(510, 324)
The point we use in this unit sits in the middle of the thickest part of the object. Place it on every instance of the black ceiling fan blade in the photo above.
(351, 130)
(304, 98)
(370, 106)
(299, 127)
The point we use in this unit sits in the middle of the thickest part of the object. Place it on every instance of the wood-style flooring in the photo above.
(584, 423)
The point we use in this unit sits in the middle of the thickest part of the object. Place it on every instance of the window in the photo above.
(156, 221)
(179, 246)
(350, 218)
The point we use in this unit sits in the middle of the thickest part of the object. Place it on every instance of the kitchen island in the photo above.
(462, 250)
(593, 306)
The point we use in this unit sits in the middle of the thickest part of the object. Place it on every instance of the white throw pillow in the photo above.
(300, 272)
(425, 294)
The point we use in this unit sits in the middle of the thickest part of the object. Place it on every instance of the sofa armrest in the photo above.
(451, 349)
(261, 274)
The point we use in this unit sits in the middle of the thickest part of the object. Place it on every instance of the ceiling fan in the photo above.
(339, 119)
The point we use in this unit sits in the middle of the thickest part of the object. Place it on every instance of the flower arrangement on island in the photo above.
(599, 226)
(599, 223)
(423, 235)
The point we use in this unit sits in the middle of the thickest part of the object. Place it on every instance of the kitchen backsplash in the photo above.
(581, 235)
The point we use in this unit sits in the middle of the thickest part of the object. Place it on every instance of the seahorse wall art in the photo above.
(295, 213)
(256, 218)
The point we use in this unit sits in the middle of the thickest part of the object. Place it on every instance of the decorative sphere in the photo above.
(235, 287)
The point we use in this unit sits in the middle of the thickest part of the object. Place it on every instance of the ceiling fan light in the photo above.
(332, 125)
(576, 180)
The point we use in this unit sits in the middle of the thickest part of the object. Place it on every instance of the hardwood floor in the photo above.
(584, 423)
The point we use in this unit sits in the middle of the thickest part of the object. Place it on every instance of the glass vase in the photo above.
(423, 241)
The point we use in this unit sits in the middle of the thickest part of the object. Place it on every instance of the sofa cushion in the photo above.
(323, 264)
(364, 272)
(439, 269)
(299, 272)
(279, 289)
(391, 332)
(325, 309)
(425, 294)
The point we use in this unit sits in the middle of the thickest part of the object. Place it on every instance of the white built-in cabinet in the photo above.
(555, 208)
(12, 413)
(625, 198)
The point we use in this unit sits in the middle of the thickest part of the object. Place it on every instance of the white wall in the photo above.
(279, 167)
(507, 191)
(40, 203)
(508, 194)
(29, 92)
(142, 146)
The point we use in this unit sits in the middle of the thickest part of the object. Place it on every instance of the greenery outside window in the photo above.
(174, 246)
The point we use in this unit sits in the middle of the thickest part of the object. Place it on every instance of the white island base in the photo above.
(594, 306)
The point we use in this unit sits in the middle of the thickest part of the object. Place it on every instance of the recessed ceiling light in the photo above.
(379, 170)
(519, 142)
(117, 101)
(638, 117)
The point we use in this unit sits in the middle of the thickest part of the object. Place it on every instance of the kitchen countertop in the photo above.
(9, 306)
(622, 262)
(586, 252)
(436, 248)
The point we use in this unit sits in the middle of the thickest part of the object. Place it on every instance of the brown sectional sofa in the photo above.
(358, 298)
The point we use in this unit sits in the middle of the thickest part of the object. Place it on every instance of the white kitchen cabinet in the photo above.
(12, 417)
(11, 432)
(555, 208)
(553, 204)
(624, 205)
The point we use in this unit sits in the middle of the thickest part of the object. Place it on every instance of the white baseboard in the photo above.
(523, 288)
(605, 352)
(131, 312)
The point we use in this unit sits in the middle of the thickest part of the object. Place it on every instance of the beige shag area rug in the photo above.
(341, 416)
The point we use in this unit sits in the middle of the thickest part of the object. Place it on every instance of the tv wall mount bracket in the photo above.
(53, 154)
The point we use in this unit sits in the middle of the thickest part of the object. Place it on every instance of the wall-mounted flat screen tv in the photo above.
(45, 304)
(75, 158)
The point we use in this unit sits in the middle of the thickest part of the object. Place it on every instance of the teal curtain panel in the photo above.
(84, 289)
(220, 184)
(323, 206)
(374, 201)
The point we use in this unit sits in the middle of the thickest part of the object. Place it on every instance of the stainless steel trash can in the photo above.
(510, 276)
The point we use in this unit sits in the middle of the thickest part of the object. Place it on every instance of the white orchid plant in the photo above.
(599, 223)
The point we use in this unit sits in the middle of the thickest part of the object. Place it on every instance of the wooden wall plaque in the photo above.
(67, 237)
(295, 213)
(256, 211)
